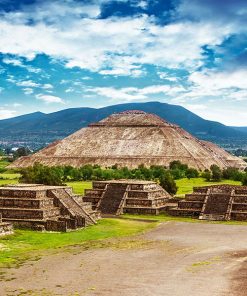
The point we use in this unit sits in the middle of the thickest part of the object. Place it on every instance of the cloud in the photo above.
(28, 91)
(133, 93)
(6, 113)
(19, 63)
(113, 46)
(211, 81)
(49, 99)
(27, 83)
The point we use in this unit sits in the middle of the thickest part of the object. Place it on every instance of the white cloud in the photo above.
(47, 86)
(114, 46)
(12, 61)
(19, 63)
(6, 113)
(28, 91)
(215, 80)
(48, 99)
(134, 93)
(27, 83)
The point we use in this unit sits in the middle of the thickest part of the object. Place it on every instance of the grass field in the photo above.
(25, 245)
(80, 186)
(186, 185)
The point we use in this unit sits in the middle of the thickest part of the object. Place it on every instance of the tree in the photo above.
(244, 180)
(41, 174)
(168, 183)
(22, 151)
(207, 175)
(216, 173)
(176, 164)
(192, 173)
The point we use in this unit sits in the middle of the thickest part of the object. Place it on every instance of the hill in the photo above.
(38, 129)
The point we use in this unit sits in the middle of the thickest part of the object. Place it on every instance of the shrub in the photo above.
(168, 183)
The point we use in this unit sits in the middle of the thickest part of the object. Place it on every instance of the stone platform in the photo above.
(39, 207)
(217, 202)
(116, 197)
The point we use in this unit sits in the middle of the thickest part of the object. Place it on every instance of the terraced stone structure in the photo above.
(218, 202)
(39, 207)
(116, 197)
(5, 227)
(130, 139)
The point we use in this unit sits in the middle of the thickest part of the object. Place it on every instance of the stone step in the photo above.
(144, 210)
(29, 214)
(145, 202)
(22, 193)
(14, 202)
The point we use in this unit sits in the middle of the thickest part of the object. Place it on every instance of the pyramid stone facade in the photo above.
(130, 139)
(116, 197)
(39, 207)
(217, 202)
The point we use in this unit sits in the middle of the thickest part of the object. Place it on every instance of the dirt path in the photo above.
(175, 259)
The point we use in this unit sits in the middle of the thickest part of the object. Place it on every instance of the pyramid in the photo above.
(131, 138)
(216, 202)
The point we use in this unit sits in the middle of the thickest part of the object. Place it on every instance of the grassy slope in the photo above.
(26, 244)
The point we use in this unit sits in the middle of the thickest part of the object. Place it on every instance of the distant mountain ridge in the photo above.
(40, 128)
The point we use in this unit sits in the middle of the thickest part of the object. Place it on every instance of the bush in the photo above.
(192, 173)
(42, 175)
(168, 183)
(207, 175)
(216, 173)
(244, 180)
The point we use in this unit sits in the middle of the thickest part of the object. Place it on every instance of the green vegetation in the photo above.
(25, 245)
(186, 186)
(80, 186)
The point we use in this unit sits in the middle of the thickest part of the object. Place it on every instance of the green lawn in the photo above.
(3, 163)
(25, 245)
(186, 185)
(80, 186)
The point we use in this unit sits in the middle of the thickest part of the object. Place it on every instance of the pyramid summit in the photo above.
(131, 138)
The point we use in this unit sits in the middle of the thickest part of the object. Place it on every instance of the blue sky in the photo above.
(73, 53)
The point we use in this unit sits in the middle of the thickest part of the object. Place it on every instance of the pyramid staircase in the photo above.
(116, 197)
(217, 202)
(52, 208)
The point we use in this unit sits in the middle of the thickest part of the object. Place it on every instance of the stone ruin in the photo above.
(217, 202)
(40, 207)
(5, 227)
(130, 139)
(116, 197)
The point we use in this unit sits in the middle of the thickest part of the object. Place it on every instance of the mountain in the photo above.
(38, 129)
(240, 128)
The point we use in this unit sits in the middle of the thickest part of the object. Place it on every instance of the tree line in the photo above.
(164, 176)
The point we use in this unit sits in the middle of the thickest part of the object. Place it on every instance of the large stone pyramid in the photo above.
(130, 139)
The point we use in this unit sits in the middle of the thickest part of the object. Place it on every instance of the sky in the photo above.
(78, 53)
